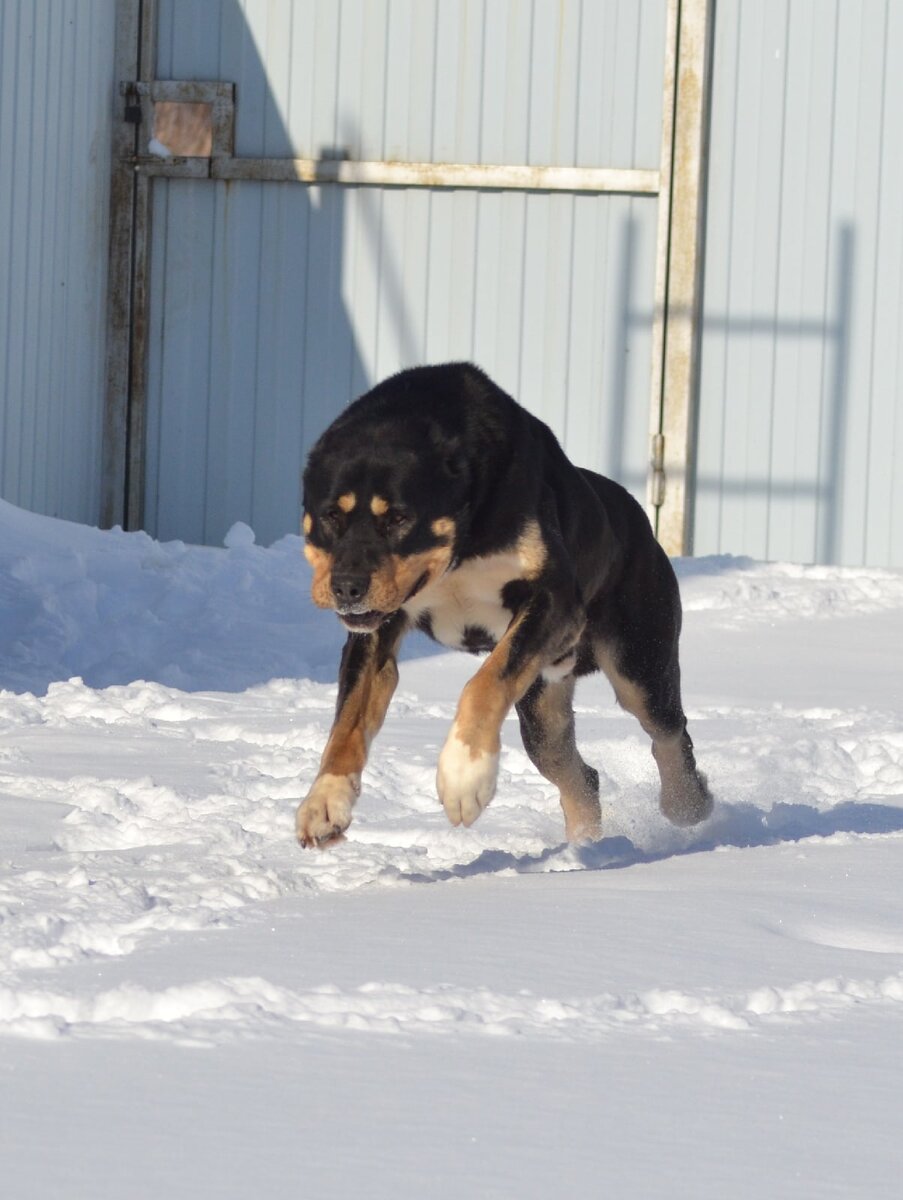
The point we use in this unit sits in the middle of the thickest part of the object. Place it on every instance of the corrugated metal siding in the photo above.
(273, 305)
(800, 430)
(56, 75)
(543, 82)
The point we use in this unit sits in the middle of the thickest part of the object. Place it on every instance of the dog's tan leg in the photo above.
(468, 764)
(367, 681)
(544, 632)
(546, 716)
(685, 796)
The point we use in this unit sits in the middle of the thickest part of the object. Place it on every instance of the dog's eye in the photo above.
(396, 517)
(331, 514)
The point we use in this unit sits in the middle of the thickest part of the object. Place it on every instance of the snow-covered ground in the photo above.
(190, 1005)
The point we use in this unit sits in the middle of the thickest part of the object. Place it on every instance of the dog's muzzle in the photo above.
(350, 592)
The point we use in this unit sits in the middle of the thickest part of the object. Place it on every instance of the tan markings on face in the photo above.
(443, 527)
(378, 506)
(347, 502)
(307, 524)
(321, 587)
(394, 581)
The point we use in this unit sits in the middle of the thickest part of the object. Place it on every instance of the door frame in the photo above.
(678, 185)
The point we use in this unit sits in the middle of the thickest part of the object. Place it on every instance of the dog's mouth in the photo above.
(363, 622)
(369, 620)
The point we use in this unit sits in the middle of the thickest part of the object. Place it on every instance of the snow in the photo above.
(192, 1005)
(158, 149)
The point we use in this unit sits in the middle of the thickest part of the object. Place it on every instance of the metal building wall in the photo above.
(800, 422)
(56, 76)
(273, 304)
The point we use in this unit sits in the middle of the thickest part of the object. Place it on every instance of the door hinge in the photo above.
(658, 470)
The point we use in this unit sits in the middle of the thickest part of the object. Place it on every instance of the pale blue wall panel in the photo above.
(56, 82)
(801, 372)
(273, 305)
(884, 537)
(558, 82)
(181, 346)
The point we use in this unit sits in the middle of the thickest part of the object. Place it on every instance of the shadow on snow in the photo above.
(742, 826)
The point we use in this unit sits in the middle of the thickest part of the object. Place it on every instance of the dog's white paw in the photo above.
(465, 780)
(326, 813)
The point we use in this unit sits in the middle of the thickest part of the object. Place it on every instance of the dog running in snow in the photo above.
(437, 502)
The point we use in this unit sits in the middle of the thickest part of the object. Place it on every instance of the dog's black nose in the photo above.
(349, 588)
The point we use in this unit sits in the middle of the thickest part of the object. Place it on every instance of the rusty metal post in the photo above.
(122, 480)
(655, 479)
(119, 271)
(685, 159)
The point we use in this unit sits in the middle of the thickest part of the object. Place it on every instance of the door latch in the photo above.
(132, 105)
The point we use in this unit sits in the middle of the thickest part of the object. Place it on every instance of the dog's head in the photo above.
(382, 501)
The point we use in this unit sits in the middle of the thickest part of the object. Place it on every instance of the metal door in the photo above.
(322, 193)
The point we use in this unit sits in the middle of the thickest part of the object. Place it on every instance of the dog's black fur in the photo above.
(436, 501)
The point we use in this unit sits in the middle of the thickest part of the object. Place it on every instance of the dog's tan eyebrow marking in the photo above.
(443, 527)
(347, 502)
(378, 506)
(308, 523)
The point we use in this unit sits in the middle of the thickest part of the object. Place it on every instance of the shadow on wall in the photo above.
(252, 347)
(281, 357)
(820, 480)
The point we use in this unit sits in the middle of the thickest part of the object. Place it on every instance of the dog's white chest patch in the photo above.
(463, 609)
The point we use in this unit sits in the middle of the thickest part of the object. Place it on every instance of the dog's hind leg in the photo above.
(651, 692)
(546, 715)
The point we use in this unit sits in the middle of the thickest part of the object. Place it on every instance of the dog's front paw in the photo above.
(465, 780)
(326, 813)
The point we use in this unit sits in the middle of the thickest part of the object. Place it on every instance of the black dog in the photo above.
(436, 501)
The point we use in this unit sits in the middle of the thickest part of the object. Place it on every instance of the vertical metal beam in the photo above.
(683, 285)
(119, 273)
(136, 454)
(122, 481)
(654, 485)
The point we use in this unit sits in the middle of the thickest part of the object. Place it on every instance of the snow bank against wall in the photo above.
(112, 607)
